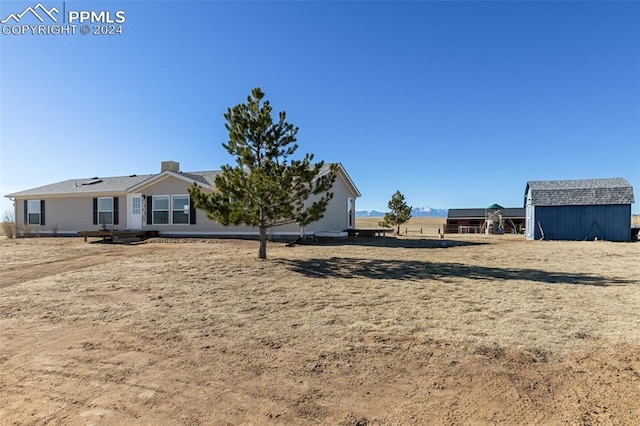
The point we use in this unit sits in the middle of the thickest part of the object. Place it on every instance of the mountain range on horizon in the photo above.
(416, 212)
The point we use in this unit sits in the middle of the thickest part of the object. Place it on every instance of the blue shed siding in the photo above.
(606, 222)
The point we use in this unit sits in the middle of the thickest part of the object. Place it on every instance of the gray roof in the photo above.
(580, 192)
(511, 212)
(105, 184)
(205, 178)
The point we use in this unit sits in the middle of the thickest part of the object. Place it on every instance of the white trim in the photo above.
(349, 181)
(345, 177)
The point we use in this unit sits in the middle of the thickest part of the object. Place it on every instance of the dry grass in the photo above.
(331, 333)
(429, 225)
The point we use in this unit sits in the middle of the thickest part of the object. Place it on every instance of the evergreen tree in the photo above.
(265, 188)
(399, 212)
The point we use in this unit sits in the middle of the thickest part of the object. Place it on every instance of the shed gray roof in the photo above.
(105, 184)
(580, 192)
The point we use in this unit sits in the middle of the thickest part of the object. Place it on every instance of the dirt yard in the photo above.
(387, 331)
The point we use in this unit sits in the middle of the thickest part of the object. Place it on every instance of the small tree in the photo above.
(265, 189)
(399, 212)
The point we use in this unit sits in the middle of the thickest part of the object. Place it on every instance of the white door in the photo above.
(351, 215)
(134, 217)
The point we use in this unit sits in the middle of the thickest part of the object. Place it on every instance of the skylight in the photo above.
(93, 181)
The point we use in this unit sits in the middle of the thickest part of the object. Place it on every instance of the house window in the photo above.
(161, 210)
(33, 212)
(180, 209)
(105, 211)
(135, 205)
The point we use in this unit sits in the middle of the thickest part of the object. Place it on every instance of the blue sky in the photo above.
(455, 104)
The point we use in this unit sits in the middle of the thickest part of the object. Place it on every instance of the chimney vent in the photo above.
(170, 166)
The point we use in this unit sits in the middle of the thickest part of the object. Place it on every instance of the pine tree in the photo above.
(399, 212)
(265, 188)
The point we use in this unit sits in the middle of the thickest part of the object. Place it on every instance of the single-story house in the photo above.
(472, 220)
(156, 202)
(583, 209)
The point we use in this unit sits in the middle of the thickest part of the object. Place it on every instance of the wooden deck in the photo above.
(113, 234)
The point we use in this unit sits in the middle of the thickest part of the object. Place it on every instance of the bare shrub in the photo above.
(9, 224)
(28, 231)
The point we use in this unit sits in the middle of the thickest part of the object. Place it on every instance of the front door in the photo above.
(351, 215)
(135, 211)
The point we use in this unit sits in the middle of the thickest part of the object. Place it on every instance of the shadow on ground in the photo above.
(336, 267)
(391, 242)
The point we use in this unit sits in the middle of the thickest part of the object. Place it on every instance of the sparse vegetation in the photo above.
(28, 231)
(9, 224)
(486, 329)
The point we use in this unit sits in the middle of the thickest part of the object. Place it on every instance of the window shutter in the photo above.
(41, 212)
(26, 213)
(149, 210)
(116, 211)
(192, 212)
(95, 211)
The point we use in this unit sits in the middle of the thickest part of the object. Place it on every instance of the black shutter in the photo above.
(116, 211)
(95, 211)
(25, 213)
(149, 210)
(41, 212)
(192, 212)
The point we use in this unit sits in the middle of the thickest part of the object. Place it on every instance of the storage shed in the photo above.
(583, 209)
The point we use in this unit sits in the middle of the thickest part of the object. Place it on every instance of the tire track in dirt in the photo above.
(20, 274)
